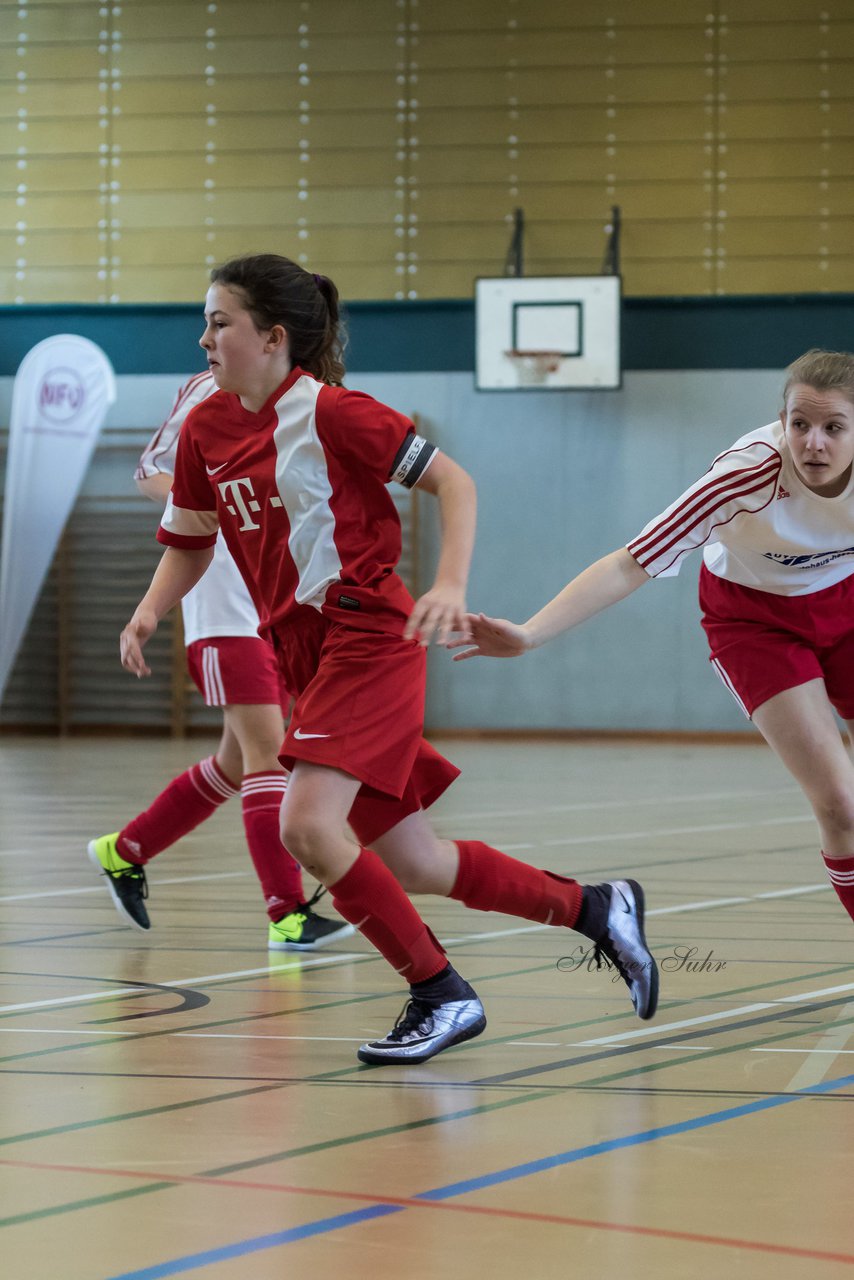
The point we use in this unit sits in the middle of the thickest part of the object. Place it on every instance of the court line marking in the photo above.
(513, 1173)
(99, 888)
(415, 1202)
(676, 831)
(705, 1018)
(53, 1031)
(465, 940)
(805, 1049)
(832, 1041)
(568, 840)
(790, 893)
(206, 979)
(230, 1035)
(582, 806)
(224, 1170)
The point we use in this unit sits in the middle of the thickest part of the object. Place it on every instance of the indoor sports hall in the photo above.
(577, 246)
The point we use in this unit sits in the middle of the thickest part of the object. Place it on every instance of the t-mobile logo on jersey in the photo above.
(231, 491)
(236, 504)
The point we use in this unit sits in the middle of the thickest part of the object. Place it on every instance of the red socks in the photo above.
(280, 874)
(491, 881)
(841, 872)
(194, 796)
(187, 801)
(370, 897)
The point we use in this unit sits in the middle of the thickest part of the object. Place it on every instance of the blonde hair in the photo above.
(823, 371)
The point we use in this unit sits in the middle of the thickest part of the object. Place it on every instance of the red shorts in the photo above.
(360, 708)
(763, 643)
(235, 671)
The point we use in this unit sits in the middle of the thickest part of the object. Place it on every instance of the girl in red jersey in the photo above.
(294, 469)
(775, 514)
(236, 670)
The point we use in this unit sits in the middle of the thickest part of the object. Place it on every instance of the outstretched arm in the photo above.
(610, 579)
(178, 571)
(441, 610)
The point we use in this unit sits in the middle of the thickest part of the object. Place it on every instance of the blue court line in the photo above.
(325, 1225)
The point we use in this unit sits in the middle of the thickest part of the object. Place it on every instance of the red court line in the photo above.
(413, 1202)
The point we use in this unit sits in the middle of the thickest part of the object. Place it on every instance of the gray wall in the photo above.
(563, 477)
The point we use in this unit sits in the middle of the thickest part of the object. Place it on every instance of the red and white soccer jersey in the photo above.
(299, 490)
(760, 525)
(220, 604)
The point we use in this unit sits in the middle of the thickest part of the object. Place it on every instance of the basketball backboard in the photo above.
(575, 318)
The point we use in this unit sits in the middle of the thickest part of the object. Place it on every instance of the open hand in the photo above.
(439, 612)
(491, 638)
(136, 634)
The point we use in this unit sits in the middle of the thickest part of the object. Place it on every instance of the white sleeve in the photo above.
(738, 481)
(158, 456)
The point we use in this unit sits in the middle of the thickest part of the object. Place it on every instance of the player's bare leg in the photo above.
(442, 1009)
(801, 726)
(249, 753)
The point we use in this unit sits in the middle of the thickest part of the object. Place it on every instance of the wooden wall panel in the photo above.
(763, 274)
(449, 15)
(395, 139)
(566, 46)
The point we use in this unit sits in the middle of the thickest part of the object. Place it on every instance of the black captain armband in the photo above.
(412, 459)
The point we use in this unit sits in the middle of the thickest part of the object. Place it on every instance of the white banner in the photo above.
(62, 391)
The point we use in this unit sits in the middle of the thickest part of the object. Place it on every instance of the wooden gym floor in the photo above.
(179, 1103)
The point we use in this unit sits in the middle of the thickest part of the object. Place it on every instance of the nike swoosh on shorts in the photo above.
(298, 733)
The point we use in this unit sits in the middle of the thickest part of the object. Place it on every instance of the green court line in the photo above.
(232, 1021)
(668, 1008)
(166, 1031)
(711, 1053)
(332, 1004)
(331, 1144)
(340, 1073)
(36, 1215)
(35, 1134)
(389, 1131)
(350, 1000)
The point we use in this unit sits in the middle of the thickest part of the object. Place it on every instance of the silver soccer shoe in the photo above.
(423, 1030)
(623, 944)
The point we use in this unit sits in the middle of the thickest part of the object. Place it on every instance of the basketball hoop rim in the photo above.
(521, 353)
(544, 360)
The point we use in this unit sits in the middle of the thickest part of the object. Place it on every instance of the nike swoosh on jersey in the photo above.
(298, 733)
(213, 470)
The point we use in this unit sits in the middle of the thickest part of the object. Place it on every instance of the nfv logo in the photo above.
(61, 395)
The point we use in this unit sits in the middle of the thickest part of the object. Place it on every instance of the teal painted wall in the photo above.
(393, 337)
(563, 478)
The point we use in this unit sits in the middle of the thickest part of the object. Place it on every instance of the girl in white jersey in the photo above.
(294, 469)
(235, 670)
(775, 516)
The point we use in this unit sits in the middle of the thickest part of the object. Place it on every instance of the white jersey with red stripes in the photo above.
(220, 604)
(300, 492)
(759, 523)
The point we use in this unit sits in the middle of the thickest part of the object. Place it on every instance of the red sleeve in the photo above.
(357, 427)
(190, 519)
